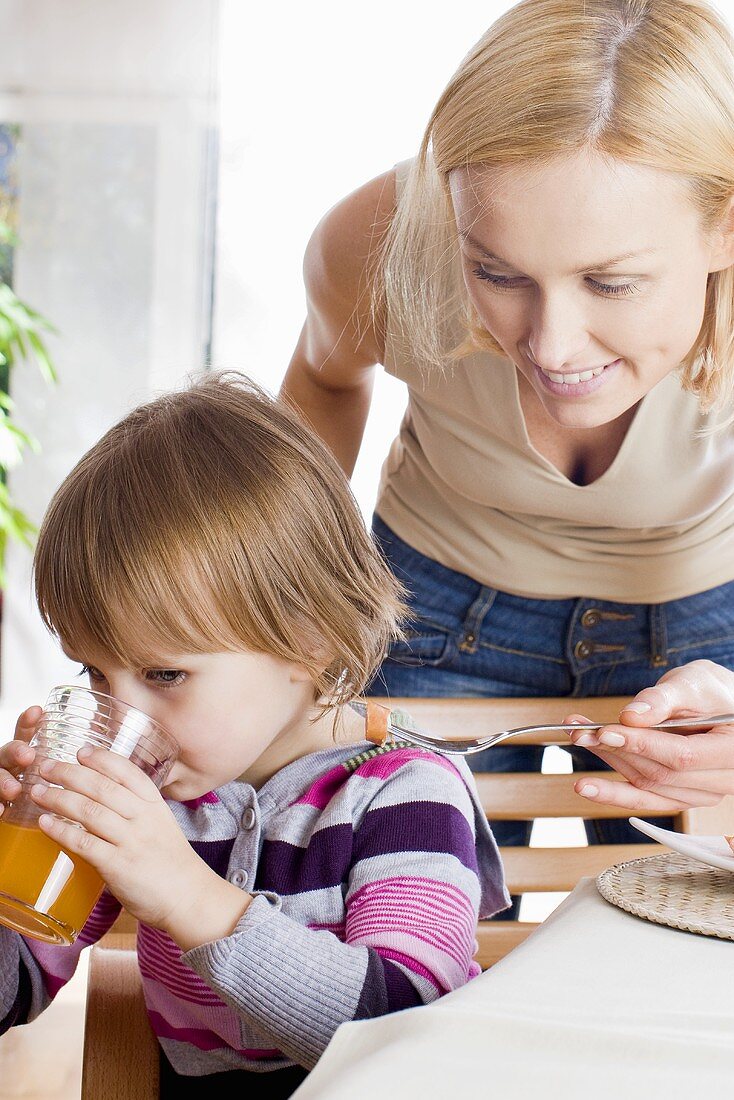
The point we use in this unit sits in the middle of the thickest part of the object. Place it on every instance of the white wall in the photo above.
(116, 107)
(316, 99)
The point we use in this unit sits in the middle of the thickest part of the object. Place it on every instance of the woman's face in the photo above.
(590, 273)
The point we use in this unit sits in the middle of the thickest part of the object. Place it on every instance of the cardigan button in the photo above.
(239, 878)
(248, 818)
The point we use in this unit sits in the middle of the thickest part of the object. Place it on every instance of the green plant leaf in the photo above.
(47, 368)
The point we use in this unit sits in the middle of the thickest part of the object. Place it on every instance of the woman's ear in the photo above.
(722, 255)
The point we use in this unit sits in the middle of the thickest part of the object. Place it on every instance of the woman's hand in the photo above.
(665, 771)
(16, 756)
(131, 838)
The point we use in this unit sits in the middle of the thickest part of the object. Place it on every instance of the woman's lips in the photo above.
(580, 383)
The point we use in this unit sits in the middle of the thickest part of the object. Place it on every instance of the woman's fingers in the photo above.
(625, 795)
(660, 755)
(700, 687)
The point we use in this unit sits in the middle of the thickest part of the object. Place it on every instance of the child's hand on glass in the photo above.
(16, 755)
(132, 840)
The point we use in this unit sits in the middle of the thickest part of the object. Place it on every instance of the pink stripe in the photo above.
(338, 928)
(412, 965)
(159, 958)
(205, 799)
(59, 963)
(457, 947)
(320, 793)
(203, 1039)
(405, 885)
(414, 911)
(411, 938)
(394, 914)
(382, 767)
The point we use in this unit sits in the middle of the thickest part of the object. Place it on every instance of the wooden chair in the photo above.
(120, 1051)
(523, 797)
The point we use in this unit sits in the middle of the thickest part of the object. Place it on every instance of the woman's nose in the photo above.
(557, 335)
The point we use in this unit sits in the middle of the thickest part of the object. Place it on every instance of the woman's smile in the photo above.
(578, 383)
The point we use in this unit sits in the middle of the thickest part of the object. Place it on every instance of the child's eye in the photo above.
(165, 676)
(92, 672)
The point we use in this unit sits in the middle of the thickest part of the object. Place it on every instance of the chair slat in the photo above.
(557, 869)
(520, 796)
(479, 717)
(496, 938)
(710, 820)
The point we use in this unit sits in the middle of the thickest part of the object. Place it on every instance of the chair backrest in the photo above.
(522, 797)
(120, 1051)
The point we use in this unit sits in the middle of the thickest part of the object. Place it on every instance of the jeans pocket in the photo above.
(424, 646)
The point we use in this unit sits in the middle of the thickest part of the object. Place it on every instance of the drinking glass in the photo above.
(46, 892)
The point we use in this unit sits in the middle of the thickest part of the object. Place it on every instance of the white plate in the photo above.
(713, 850)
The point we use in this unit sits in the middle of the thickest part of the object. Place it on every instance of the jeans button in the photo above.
(583, 649)
(248, 818)
(591, 617)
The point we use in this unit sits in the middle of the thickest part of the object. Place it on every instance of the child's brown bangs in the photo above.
(135, 611)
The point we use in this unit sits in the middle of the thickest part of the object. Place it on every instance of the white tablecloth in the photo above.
(595, 1004)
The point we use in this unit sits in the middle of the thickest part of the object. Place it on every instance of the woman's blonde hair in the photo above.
(214, 519)
(650, 82)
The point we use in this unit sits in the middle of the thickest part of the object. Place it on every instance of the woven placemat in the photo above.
(674, 890)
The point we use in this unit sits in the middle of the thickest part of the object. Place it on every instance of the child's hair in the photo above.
(214, 519)
(650, 82)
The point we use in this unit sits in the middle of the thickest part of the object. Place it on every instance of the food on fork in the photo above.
(377, 724)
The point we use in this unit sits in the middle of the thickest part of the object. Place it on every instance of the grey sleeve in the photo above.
(271, 970)
(22, 992)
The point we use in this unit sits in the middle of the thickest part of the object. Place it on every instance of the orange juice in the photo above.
(45, 892)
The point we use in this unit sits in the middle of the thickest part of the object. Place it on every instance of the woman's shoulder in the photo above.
(343, 243)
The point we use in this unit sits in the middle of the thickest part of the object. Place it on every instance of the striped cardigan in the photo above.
(369, 872)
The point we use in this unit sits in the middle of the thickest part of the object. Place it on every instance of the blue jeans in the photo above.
(465, 639)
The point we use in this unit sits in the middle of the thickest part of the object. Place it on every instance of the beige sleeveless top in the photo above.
(464, 485)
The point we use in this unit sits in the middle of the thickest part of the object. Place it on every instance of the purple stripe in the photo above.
(215, 853)
(289, 869)
(401, 993)
(416, 827)
(385, 989)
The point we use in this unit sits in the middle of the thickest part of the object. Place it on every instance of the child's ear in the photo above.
(300, 675)
(722, 255)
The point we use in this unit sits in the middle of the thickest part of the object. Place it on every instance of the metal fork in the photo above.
(450, 747)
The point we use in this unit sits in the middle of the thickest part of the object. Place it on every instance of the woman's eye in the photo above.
(613, 289)
(503, 282)
(165, 676)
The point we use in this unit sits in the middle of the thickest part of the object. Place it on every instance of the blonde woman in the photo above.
(552, 278)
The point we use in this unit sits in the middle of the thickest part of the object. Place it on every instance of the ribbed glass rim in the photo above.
(156, 738)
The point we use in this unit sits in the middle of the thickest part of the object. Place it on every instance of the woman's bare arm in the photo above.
(331, 374)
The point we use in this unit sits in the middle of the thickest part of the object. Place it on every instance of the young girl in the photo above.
(206, 563)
